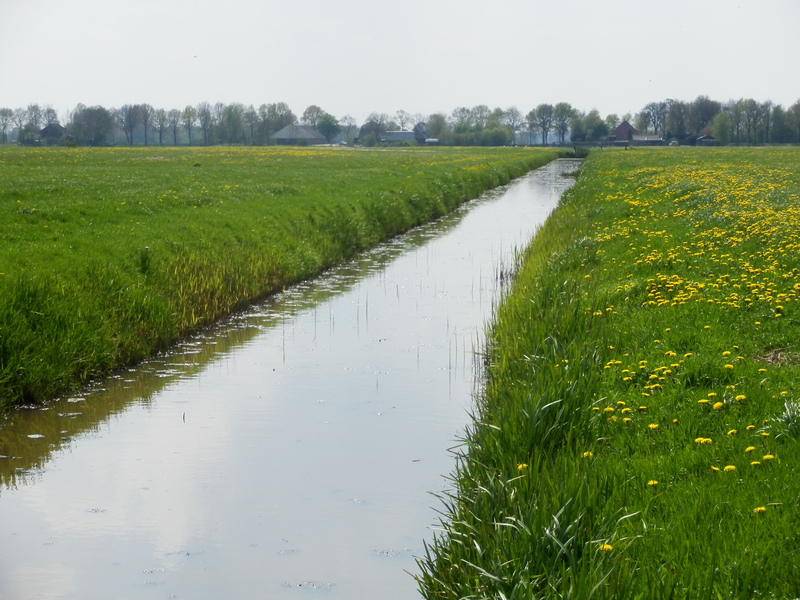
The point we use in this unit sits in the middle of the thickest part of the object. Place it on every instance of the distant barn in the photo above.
(294, 135)
(625, 133)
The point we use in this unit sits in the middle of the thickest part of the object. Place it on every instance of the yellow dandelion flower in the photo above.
(652, 482)
(621, 403)
(750, 427)
(768, 457)
(608, 409)
(749, 448)
(627, 420)
(653, 426)
(703, 401)
(741, 397)
(606, 547)
(718, 405)
(642, 408)
(760, 509)
(732, 432)
(728, 366)
(522, 466)
(729, 468)
(755, 463)
(715, 469)
(712, 394)
(587, 454)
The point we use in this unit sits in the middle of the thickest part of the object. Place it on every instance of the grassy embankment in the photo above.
(638, 435)
(107, 255)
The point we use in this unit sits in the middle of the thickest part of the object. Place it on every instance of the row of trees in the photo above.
(744, 121)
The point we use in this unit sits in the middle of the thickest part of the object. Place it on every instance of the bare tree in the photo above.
(513, 118)
(127, 119)
(174, 120)
(544, 116)
(146, 116)
(533, 125)
(49, 116)
(656, 114)
(348, 125)
(161, 123)
(34, 113)
(479, 115)
(206, 119)
(189, 119)
(6, 115)
(563, 113)
(403, 119)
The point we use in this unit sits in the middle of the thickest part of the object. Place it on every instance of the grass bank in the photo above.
(108, 255)
(638, 434)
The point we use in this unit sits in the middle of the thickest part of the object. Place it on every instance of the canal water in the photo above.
(293, 451)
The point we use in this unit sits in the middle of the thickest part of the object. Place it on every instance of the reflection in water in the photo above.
(290, 450)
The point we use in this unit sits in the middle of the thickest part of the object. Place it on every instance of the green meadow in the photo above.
(638, 435)
(109, 255)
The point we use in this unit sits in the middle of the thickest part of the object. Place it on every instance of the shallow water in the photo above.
(289, 452)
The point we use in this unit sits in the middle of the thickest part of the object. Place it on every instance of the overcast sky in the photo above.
(422, 56)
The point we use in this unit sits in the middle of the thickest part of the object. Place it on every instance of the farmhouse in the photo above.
(625, 133)
(293, 135)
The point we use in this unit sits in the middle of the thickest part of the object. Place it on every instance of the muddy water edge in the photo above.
(292, 451)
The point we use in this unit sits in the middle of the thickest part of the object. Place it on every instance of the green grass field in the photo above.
(108, 255)
(638, 437)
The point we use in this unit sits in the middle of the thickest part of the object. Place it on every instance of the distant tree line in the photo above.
(744, 121)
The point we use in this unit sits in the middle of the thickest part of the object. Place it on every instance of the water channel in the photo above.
(293, 451)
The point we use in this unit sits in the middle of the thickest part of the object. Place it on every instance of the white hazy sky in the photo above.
(422, 56)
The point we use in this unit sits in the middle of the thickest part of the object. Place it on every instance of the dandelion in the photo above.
(755, 463)
(740, 397)
(759, 509)
(642, 408)
(608, 409)
(715, 469)
(652, 482)
(728, 366)
(597, 408)
(606, 547)
(653, 426)
(750, 427)
(626, 410)
(718, 405)
(732, 432)
(587, 454)
(522, 466)
(703, 401)
(729, 468)
(626, 420)
(768, 457)
(621, 402)
(749, 448)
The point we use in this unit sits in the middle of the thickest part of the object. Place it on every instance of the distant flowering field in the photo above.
(638, 437)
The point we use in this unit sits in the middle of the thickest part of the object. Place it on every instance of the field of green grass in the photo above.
(108, 255)
(638, 437)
